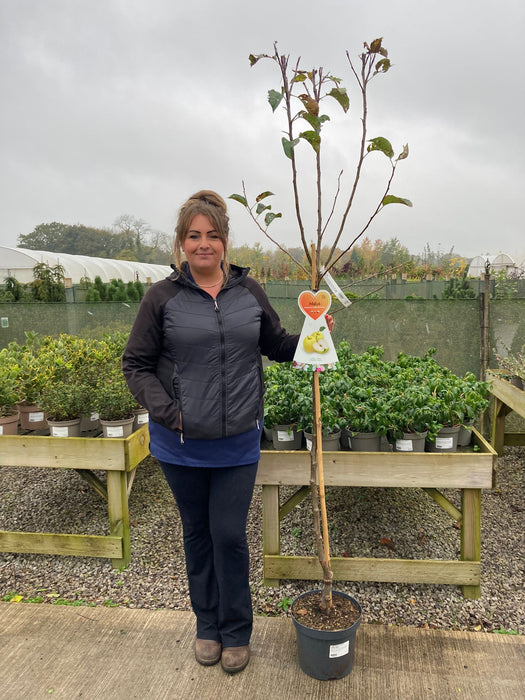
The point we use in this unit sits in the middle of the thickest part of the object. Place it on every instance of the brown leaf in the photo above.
(386, 542)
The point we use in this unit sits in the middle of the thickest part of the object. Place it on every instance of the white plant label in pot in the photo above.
(404, 446)
(444, 443)
(115, 432)
(285, 436)
(142, 418)
(59, 431)
(93, 417)
(337, 650)
(35, 417)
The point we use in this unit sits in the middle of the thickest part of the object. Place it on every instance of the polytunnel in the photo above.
(501, 261)
(19, 263)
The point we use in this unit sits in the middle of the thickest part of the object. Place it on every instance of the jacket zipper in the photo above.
(222, 360)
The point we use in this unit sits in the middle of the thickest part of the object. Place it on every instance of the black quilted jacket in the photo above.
(195, 361)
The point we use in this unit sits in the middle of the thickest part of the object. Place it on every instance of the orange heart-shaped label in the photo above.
(314, 304)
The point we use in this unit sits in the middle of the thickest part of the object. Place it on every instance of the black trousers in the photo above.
(213, 503)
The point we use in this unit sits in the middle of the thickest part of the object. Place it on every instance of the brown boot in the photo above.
(207, 651)
(234, 659)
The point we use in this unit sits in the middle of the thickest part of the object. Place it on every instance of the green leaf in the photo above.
(253, 59)
(313, 139)
(392, 199)
(311, 119)
(299, 78)
(381, 144)
(288, 146)
(261, 207)
(404, 153)
(239, 198)
(341, 96)
(383, 65)
(274, 98)
(270, 217)
(263, 195)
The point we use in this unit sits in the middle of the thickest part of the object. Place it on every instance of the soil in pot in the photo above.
(326, 641)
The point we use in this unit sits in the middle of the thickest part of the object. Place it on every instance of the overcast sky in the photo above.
(114, 107)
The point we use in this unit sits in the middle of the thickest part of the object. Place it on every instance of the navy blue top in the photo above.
(233, 451)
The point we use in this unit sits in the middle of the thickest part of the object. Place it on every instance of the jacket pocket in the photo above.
(176, 398)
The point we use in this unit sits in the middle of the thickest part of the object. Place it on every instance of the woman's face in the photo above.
(203, 247)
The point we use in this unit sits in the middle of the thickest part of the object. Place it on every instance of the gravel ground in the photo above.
(367, 522)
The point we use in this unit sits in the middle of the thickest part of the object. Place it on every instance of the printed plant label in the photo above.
(337, 650)
(444, 443)
(285, 436)
(404, 446)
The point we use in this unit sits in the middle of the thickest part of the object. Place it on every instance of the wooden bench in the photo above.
(118, 457)
(504, 398)
(468, 470)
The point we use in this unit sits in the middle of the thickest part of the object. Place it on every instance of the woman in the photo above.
(193, 359)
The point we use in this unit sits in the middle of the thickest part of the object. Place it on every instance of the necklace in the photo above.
(209, 286)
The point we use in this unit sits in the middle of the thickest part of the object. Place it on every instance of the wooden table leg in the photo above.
(471, 534)
(499, 411)
(271, 529)
(118, 514)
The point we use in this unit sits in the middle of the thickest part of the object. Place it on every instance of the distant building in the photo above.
(498, 262)
(19, 263)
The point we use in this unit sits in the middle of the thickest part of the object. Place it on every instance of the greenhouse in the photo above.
(19, 263)
(498, 262)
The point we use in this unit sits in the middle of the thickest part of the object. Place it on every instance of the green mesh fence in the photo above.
(399, 325)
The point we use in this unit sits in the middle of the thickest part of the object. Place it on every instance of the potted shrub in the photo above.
(458, 401)
(33, 375)
(114, 404)
(286, 392)
(9, 396)
(475, 398)
(331, 419)
(63, 402)
(365, 417)
(411, 416)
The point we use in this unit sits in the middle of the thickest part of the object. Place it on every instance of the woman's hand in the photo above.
(329, 322)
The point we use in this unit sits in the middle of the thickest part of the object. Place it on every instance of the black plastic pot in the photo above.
(327, 655)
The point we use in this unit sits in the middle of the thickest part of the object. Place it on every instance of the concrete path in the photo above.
(123, 654)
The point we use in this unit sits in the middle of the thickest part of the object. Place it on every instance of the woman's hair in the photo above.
(207, 203)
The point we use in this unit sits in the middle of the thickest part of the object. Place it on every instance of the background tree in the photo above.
(48, 284)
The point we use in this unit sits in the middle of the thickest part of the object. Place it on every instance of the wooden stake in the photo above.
(326, 597)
